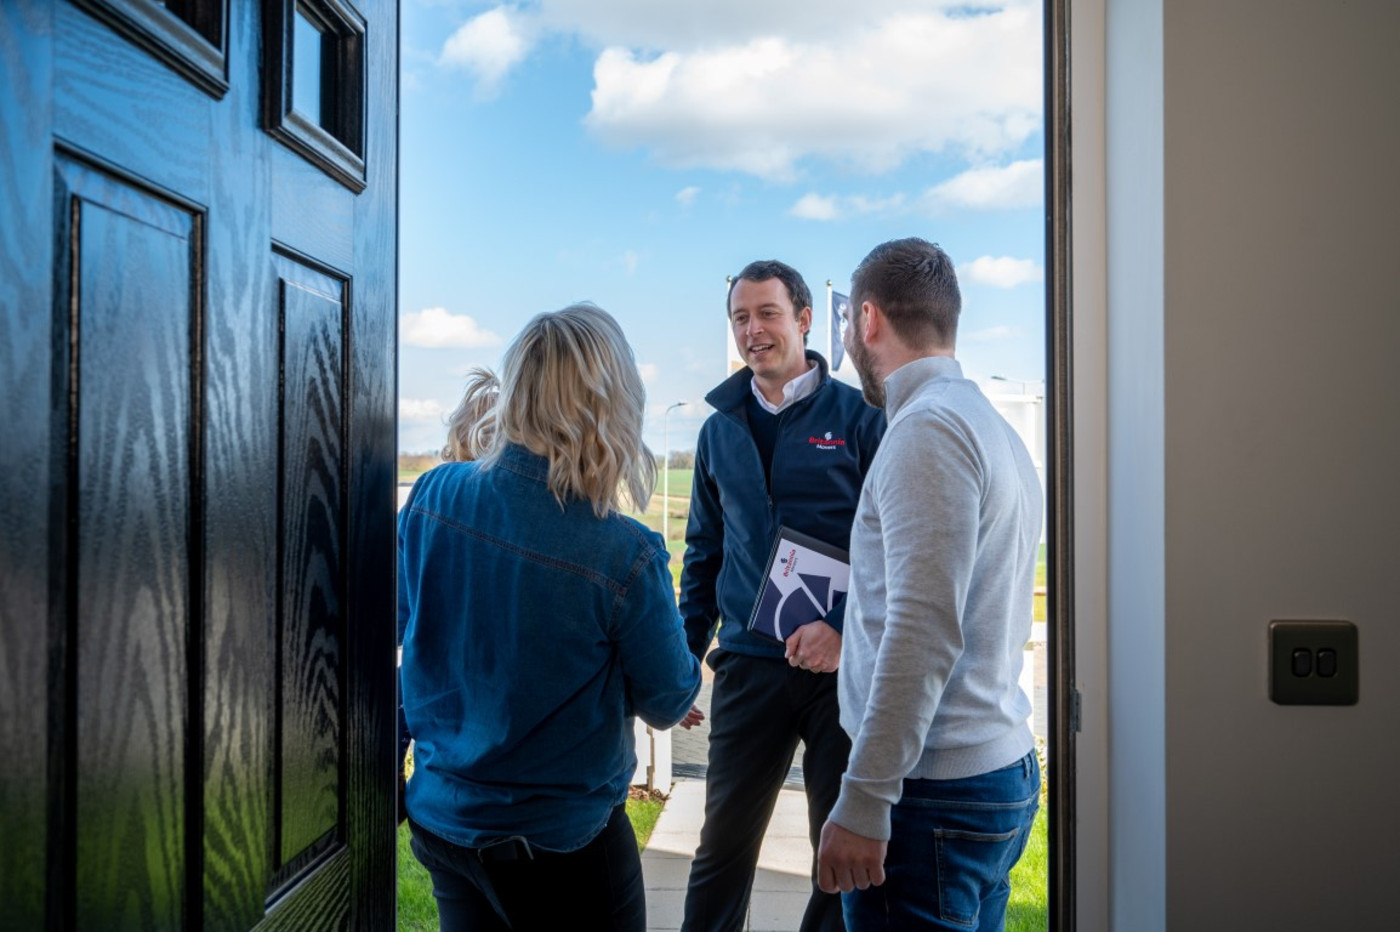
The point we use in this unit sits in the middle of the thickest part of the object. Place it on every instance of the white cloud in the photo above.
(651, 25)
(758, 88)
(814, 206)
(687, 195)
(629, 261)
(420, 409)
(1001, 271)
(926, 80)
(435, 328)
(1020, 184)
(648, 371)
(861, 204)
(489, 46)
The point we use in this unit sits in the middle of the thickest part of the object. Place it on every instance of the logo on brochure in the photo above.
(827, 442)
(789, 562)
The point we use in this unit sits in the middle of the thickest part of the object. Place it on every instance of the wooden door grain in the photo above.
(196, 655)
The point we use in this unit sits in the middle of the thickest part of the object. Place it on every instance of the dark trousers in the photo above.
(759, 709)
(598, 886)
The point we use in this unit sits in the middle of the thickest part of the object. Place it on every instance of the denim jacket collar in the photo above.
(518, 459)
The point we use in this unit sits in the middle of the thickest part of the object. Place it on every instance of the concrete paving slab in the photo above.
(776, 912)
(781, 884)
(665, 909)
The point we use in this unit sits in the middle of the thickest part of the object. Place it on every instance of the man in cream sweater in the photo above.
(942, 784)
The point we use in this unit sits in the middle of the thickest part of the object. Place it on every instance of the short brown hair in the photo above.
(914, 284)
(764, 269)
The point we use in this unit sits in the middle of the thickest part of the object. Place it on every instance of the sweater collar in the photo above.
(733, 393)
(904, 383)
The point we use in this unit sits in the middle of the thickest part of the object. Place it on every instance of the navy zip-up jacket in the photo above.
(825, 443)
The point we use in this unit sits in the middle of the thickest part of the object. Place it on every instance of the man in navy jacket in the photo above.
(788, 446)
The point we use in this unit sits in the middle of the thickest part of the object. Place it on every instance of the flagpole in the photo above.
(830, 330)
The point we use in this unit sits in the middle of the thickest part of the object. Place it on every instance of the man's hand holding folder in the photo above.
(816, 646)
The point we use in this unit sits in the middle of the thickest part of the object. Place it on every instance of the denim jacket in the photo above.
(532, 634)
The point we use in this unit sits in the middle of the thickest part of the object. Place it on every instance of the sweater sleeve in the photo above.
(926, 493)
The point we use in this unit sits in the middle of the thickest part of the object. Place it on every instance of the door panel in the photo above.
(196, 655)
(313, 577)
(132, 261)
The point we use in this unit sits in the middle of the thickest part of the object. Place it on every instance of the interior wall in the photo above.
(1282, 438)
(1248, 437)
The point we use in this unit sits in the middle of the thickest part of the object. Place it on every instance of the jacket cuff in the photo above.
(698, 640)
(837, 616)
(859, 812)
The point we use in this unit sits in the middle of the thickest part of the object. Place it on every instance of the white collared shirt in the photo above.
(793, 391)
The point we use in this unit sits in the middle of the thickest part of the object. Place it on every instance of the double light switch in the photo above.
(1313, 663)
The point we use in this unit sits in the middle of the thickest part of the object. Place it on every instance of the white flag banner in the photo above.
(839, 304)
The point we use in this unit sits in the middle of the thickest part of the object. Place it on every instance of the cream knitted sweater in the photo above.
(943, 556)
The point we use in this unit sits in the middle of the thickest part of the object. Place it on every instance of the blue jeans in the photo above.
(511, 886)
(952, 846)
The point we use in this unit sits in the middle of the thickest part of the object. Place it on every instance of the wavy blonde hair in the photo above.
(471, 427)
(570, 392)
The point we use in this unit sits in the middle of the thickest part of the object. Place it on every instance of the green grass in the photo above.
(418, 909)
(1029, 908)
(681, 480)
(644, 813)
(680, 483)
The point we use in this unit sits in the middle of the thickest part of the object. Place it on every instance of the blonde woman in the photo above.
(538, 621)
(472, 425)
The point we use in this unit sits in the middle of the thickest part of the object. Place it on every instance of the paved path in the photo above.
(782, 883)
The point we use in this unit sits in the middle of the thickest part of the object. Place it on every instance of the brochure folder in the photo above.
(805, 578)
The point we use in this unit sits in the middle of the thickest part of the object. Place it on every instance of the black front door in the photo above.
(197, 337)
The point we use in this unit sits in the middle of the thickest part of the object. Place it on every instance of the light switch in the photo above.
(1314, 663)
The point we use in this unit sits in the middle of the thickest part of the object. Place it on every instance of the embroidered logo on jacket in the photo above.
(827, 442)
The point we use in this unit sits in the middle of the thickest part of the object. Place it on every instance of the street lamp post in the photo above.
(666, 473)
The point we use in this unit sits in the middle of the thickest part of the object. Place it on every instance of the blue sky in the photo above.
(635, 152)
